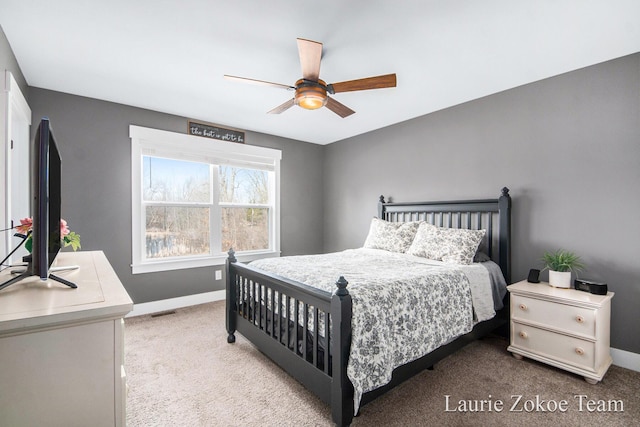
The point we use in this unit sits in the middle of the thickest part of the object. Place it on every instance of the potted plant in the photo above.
(560, 264)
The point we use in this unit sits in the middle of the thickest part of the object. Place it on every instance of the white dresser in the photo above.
(565, 328)
(62, 349)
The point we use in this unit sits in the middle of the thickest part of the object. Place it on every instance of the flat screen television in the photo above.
(46, 182)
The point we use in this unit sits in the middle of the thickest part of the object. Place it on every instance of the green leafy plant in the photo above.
(562, 260)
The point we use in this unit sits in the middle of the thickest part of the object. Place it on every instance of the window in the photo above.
(194, 198)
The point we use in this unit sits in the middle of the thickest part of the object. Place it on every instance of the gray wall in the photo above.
(93, 138)
(568, 148)
(8, 62)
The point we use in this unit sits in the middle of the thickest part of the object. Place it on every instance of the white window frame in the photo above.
(160, 143)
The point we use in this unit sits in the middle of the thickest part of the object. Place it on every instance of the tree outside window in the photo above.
(244, 203)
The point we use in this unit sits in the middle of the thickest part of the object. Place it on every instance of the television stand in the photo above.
(26, 272)
(53, 269)
(23, 275)
(63, 281)
(19, 269)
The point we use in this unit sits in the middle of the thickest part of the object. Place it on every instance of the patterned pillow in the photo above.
(390, 236)
(451, 245)
(422, 245)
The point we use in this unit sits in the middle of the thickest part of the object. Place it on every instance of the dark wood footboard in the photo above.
(306, 331)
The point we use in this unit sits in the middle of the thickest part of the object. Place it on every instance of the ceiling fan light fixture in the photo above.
(311, 92)
(310, 95)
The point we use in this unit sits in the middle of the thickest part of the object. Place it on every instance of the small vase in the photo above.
(560, 279)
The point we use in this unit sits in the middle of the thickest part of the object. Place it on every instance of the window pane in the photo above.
(170, 180)
(245, 229)
(240, 185)
(176, 231)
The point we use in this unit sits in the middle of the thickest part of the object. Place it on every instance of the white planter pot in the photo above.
(560, 279)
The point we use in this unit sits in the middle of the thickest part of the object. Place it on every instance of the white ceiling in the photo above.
(170, 56)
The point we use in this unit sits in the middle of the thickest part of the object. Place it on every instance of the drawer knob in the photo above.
(579, 319)
(579, 351)
(523, 335)
(523, 307)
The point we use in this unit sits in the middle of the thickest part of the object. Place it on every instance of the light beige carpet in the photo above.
(182, 372)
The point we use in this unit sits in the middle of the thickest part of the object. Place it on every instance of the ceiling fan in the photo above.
(311, 92)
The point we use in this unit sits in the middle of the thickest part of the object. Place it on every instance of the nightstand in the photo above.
(565, 328)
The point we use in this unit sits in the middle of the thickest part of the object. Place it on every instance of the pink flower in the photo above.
(67, 237)
(64, 229)
(25, 225)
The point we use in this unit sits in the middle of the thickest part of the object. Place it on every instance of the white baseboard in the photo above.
(626, 359)
(622, 358)
(174, 303)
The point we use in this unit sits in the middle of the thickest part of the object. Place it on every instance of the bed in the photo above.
(321, 335)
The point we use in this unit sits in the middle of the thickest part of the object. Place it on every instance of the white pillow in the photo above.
(451, 245)
(390, 236)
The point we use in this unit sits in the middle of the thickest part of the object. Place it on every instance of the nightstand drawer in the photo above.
(557, 316)
(562, 348)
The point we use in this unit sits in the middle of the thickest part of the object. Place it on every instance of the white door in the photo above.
(15, 122)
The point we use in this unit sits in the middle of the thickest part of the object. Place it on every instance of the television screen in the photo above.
(46, 200)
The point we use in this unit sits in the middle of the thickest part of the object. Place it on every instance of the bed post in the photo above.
(381, 203)
(231, 298)
(504, 207)
(341, 387)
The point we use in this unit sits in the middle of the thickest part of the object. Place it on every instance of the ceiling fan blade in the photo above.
(257, 82)
(310, 55)
(338, 108)
(284, 107)
(378, 82)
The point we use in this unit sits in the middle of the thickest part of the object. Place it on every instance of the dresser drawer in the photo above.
(565, 349)
(568, 318)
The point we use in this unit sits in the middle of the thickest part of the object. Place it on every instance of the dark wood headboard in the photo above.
(493, 215)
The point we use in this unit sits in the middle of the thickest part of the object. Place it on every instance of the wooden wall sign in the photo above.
(215, 132)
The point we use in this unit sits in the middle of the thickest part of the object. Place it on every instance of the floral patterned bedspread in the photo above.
(402, 308)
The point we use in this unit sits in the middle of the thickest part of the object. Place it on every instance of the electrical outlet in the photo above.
(218, 274)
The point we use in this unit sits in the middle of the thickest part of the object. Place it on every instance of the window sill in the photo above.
(210, 261)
